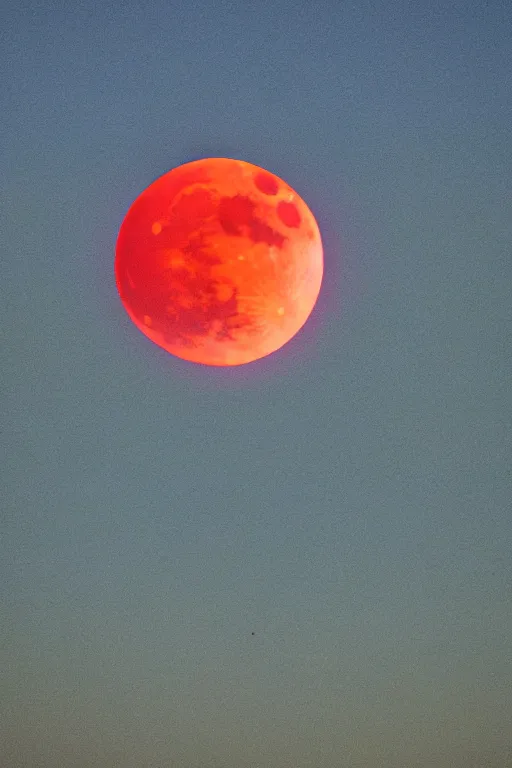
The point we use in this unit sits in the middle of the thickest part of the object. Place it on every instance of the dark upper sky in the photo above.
(346, 500)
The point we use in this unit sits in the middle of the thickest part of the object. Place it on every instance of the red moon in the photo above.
(219, 262)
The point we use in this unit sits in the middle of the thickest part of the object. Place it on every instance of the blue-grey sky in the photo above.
(347, 500)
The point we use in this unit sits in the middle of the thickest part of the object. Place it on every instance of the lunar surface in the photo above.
(219, 262)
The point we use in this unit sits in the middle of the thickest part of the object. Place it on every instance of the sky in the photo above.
(302, 562)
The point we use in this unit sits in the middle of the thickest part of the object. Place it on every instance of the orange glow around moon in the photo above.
(219, 262)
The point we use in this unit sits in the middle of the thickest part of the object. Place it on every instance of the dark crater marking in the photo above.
(236, 217)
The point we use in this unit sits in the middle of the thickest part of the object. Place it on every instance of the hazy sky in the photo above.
(347, 500)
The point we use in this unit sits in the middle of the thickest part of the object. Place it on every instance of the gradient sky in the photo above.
(347, 500)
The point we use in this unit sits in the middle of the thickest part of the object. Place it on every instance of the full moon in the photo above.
(219, 262)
